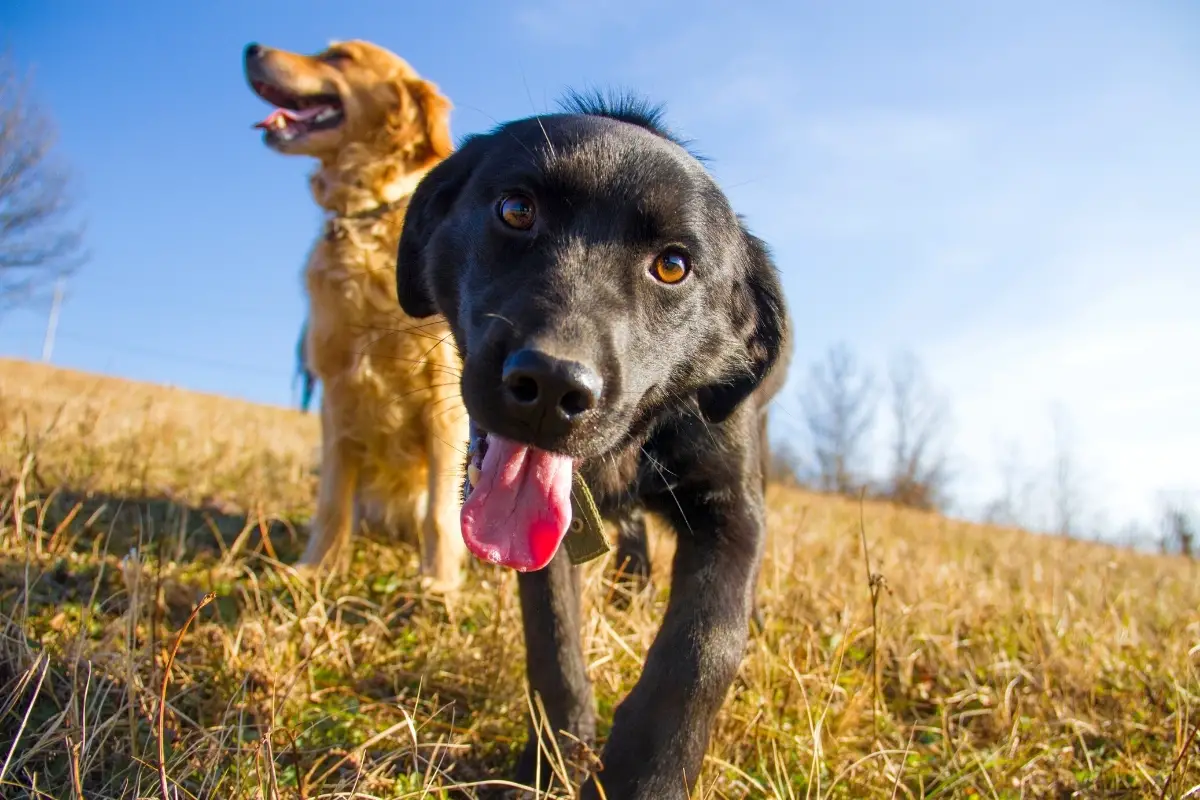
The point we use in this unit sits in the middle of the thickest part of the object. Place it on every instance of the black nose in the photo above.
(253, 50)
(541, 390)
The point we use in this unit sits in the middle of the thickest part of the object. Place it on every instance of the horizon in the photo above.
(1008, 194)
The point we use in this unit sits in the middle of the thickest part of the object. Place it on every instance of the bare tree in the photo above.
(1065, 499)
(1179, 525)
(1133, 535)
(39, 241)
(785, 465)
(920, 472)
(839, 412)
(1012, 507)
(1179, 533)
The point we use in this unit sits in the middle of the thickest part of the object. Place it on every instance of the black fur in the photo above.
(625, 107)
(680, 429)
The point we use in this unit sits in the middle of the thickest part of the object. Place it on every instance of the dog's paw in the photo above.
(306, 568)
(440, 585)
(322, 564)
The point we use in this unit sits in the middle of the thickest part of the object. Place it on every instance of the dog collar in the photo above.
(585, 537)
(375, 212)
(338, 226)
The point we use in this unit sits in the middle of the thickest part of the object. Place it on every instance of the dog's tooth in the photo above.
(473, 474)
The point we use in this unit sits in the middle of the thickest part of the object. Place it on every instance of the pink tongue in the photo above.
(519, 510)
(280, 117)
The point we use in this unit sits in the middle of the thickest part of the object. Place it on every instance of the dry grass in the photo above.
(1009, 665)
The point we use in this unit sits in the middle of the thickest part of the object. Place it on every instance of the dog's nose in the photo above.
(541, 389)
(253, 50)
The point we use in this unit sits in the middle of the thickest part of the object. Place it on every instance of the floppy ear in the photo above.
(429, 205)
(435, 111)
(764, 296)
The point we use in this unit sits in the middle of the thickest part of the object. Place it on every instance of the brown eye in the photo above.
(517, 211)
(336, 57)
(671, 267)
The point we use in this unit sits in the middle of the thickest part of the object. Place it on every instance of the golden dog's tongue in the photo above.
(282, 117)
(520, 508)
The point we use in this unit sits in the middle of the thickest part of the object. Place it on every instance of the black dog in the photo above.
(615, 318)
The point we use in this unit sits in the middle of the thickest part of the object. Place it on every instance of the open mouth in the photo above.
(296, 115)
(517, 501)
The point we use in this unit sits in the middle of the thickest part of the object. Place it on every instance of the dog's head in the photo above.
(352, 92)
(594, 277)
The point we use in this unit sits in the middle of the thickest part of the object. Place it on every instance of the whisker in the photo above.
(502, 318)
(546, 136)
(416, 331)
(450, 402)
(418, 361)
(459, 418)
(407, 323)
(538, 117)
(431, 387)
(425, 355)
(449, 398)
(498, 123)
(670, 489)
(411, 324)
(460, 449)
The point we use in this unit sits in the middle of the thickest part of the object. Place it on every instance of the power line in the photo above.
(52, 321)
(131, 349)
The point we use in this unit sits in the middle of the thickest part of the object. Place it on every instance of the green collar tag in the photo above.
(585, 538)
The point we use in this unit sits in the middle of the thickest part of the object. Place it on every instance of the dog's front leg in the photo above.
(661, 730)
(443, 552)
(550, 600)
(329, 541)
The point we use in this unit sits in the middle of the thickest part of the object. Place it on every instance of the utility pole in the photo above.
(52, 322)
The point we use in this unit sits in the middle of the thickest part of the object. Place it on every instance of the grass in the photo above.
(963, 661)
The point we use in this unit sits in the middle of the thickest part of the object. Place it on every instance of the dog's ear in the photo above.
(429, 205)
(435, 111)
(763, 302)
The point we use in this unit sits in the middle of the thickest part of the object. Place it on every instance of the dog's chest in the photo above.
(351, 282)
(356, 251)
(361, 234)
(360, 342)
(639, 474)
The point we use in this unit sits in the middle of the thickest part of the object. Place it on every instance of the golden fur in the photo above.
(392, 422)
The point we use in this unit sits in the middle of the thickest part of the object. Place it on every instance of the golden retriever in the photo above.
(392, 422)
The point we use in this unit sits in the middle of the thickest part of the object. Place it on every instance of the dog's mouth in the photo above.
(297, 115)
(516, 501)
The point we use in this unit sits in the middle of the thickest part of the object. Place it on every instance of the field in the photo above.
(964, 661)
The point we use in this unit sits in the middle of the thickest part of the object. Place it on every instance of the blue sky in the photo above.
(1009, 189)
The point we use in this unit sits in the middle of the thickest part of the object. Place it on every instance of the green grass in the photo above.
(1009, 665)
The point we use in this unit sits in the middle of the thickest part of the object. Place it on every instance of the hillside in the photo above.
(1008, 664)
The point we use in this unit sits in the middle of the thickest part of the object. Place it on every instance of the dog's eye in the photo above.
(336, 57)
(671, 267)
(516, 210)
